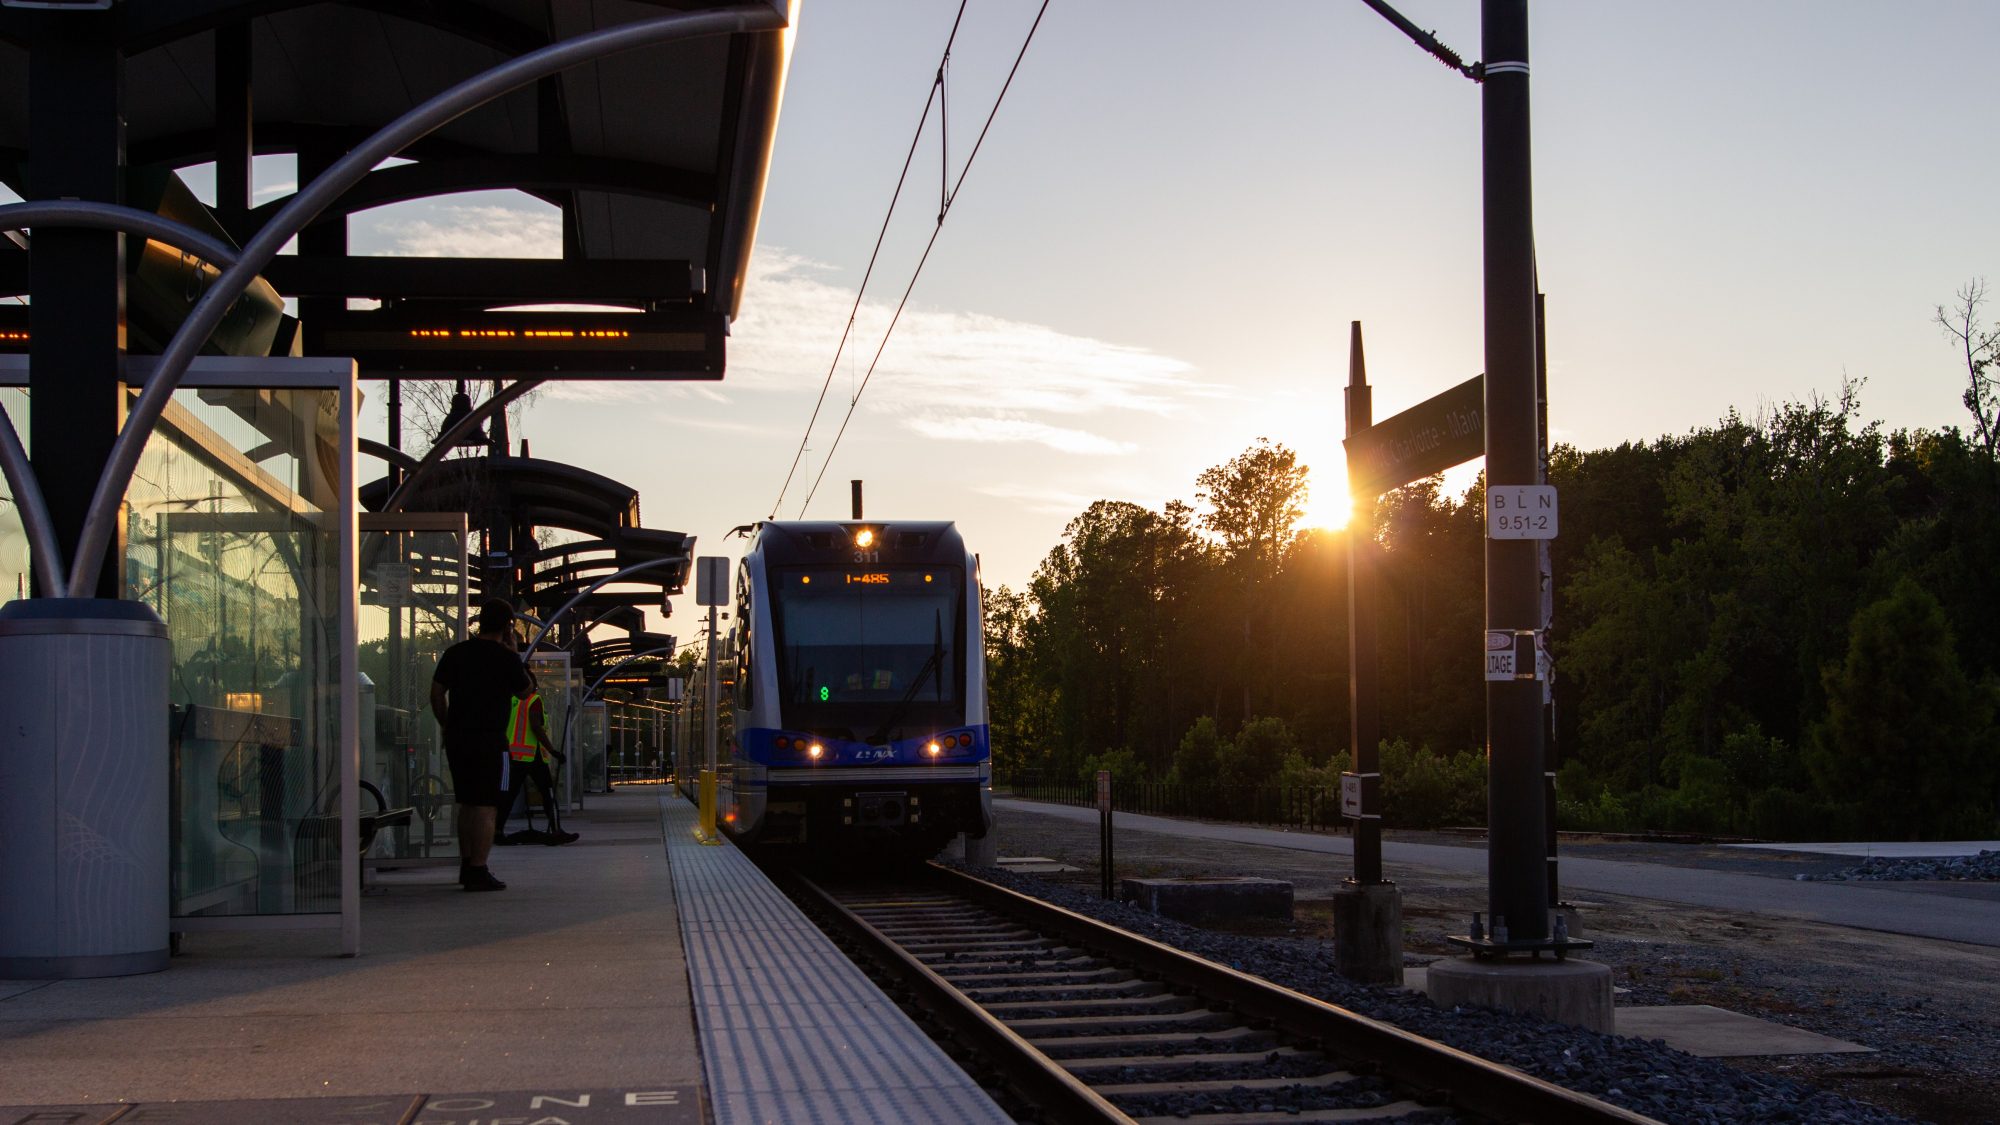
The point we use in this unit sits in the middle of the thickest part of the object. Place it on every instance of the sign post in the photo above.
(711, 588)
(1368, 909)
(1104, 833)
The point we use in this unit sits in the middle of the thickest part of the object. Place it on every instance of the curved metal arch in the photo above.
(43, 548)
(281, 138)
(664, 650)
(429, 179)
(608, 579)
(101, 516)
(448, 440)
(387, 453)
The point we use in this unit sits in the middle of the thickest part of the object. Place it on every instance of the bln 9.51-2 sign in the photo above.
(1521, 511)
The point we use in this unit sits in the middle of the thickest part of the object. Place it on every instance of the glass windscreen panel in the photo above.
(232, 535)
(412, 591)
(878, 635)
(15, 576)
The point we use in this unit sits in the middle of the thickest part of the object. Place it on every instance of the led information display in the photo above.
(416, 343)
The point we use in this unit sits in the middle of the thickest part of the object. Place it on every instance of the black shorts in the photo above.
(476, 774)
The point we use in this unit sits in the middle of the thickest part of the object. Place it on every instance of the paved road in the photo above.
(1951, 911)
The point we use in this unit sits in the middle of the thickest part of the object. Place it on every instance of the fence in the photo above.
(1314, 809)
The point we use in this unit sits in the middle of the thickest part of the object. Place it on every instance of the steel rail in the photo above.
(1052, 1089)
(1468, 1082)
(101, 517)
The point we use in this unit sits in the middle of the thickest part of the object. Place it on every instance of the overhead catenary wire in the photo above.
(936, 95)
(936, 230)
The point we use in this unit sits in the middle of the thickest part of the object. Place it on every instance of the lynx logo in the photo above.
(875, 754)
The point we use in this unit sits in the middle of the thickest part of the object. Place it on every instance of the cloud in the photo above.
(948, 362)
(983, 428)
(1053, 501)
(462, 230)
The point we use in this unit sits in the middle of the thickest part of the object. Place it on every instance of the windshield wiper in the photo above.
(933, 663)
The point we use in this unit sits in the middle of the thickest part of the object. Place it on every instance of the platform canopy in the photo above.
(656, 159)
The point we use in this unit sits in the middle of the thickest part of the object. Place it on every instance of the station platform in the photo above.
(567, 998)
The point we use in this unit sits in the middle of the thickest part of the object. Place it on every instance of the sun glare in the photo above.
(1327, 507)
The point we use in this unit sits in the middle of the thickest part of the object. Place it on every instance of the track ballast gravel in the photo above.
(1645, 1076)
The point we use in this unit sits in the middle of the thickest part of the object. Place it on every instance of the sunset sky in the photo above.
(1181, 206)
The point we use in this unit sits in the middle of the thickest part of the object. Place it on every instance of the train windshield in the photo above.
(880, 635)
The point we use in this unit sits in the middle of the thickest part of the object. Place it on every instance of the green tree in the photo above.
(1908, 744)
(1198, 759)
(1255, 501)
(1257, 754)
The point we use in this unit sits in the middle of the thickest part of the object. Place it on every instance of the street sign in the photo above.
(1350, 794)
(1429, 437)
(1515, 654)
(711, 580)
(1521, 511)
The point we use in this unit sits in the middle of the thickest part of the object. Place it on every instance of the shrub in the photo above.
(1423, 789)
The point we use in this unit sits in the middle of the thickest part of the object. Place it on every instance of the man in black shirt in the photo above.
(472, 694)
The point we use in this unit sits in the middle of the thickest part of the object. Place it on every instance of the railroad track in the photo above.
(1090, 1023)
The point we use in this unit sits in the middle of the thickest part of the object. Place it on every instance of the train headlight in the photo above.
(864, 538)
(814, 751)
(933, 749)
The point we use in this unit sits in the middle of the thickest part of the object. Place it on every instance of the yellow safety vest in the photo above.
(521, 740)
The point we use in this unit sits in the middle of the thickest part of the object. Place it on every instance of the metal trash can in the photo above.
(83, 789)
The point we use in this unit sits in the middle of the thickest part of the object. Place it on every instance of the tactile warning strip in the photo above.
(791, 1031)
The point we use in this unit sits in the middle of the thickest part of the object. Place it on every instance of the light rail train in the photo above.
(852, 688)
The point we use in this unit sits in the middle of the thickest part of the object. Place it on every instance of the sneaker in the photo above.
(480, 879)
(558, 836)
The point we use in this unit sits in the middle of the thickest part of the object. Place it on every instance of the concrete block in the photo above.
(983, 852)
(1033, 865)
(1718, 1033)
(1193, 900)
(1368, 933)
(1572, 991)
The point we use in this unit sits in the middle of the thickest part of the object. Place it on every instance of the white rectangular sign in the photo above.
(1521, 511)
(1499, 655)
(1350, 794)
(1515, 655)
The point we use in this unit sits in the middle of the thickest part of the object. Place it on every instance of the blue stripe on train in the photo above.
(759, 745)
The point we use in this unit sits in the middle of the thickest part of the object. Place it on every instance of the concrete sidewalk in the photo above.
(1933, 910)
(570, 982)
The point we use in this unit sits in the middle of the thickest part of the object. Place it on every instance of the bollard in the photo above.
(705, 830)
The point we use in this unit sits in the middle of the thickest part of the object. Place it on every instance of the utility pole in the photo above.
(1517, 880)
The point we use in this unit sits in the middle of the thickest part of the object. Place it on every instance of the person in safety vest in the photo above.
(528, 749)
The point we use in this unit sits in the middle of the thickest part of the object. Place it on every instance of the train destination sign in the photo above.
(1429, 437)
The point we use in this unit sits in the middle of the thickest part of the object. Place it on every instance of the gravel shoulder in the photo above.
(1930, 1008)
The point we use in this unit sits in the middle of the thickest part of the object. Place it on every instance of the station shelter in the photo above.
(303, 607)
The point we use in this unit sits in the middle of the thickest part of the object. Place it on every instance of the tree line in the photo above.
(1780, 626)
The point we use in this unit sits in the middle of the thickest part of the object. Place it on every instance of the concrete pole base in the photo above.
(983, 852)
(1368, 933)
(1569, 991)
